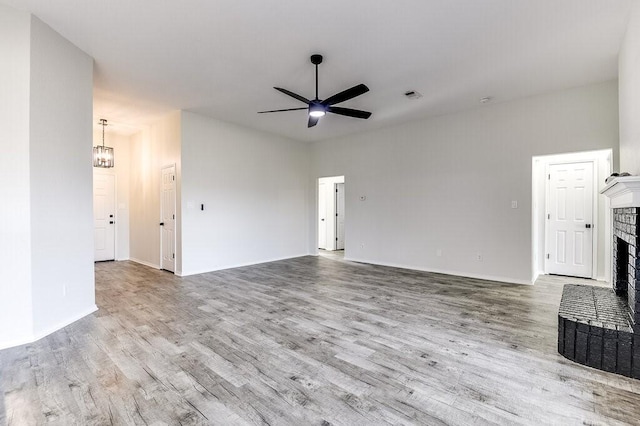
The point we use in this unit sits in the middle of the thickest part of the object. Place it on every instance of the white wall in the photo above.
(16, 316)
(447, 183)
(629, 76)
(255, 189)
(151, 150)
(61, 92)
(122, 147)
(47, 233)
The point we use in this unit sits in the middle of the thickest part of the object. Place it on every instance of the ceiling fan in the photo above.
(318, 108)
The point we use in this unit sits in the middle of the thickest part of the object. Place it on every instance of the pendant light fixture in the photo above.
(102, 155)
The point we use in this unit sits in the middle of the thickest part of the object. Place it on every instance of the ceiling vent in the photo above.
(412, 94)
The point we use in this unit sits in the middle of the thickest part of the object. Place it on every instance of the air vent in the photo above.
(412, 94)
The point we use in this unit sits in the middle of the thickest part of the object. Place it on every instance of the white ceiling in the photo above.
(222, 57)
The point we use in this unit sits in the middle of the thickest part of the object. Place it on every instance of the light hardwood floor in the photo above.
(310, 341)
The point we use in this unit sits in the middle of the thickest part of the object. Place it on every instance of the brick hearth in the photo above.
(594, 329)
(600, 327)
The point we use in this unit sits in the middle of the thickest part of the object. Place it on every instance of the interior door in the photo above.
(322, 216)
(339, 216)
(104, 220)
(570, 220)
(168, 219)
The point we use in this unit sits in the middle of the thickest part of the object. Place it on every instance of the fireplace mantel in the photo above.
(623, 192)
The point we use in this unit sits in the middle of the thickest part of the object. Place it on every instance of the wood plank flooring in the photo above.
(309, 341)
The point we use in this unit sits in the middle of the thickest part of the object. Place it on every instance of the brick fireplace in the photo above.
(600, 327)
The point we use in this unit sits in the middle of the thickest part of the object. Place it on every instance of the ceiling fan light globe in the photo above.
(316, 111)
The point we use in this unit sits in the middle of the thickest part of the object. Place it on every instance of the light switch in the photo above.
(514, 204)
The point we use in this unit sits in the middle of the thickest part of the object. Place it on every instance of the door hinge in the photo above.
(548, 256)
(336, 239)
(548, 215)
(336, 214)
(336, 190)
(174, 216)
(173, 256)
(174, 178)
(549, 177)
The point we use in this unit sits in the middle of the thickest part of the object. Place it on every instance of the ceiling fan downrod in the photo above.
(316, 60)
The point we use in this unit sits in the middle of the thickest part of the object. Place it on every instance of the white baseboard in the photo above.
(51, 329)
(535, 276)
(145, 263)
(40, 334)
(240, 265)
(445, 272)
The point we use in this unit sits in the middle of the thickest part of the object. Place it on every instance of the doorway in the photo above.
(168, 219)
(339, 194)
(104, 220)
(331, 213)
(569, 224)
(570, 219)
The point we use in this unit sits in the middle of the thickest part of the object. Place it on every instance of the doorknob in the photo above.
(111, 222)
(161, 223)
(588, 225)
(322, 220)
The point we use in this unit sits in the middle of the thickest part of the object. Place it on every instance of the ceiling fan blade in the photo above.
(281, 110)
(345, 95)
(293, 95)
(313, 121)
(349, 112)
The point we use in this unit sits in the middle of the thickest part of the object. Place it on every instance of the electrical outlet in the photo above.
(514, 204)
(479, 257)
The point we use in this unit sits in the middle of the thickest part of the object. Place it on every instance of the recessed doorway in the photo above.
(331, 213)
(571, 221)
(168, 216)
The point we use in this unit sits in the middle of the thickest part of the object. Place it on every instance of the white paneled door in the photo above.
(322, 216)
(570, 220)
(168, 219)
(104, 210)
(339, 216)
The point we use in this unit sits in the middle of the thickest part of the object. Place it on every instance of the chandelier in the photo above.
(102, 155)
